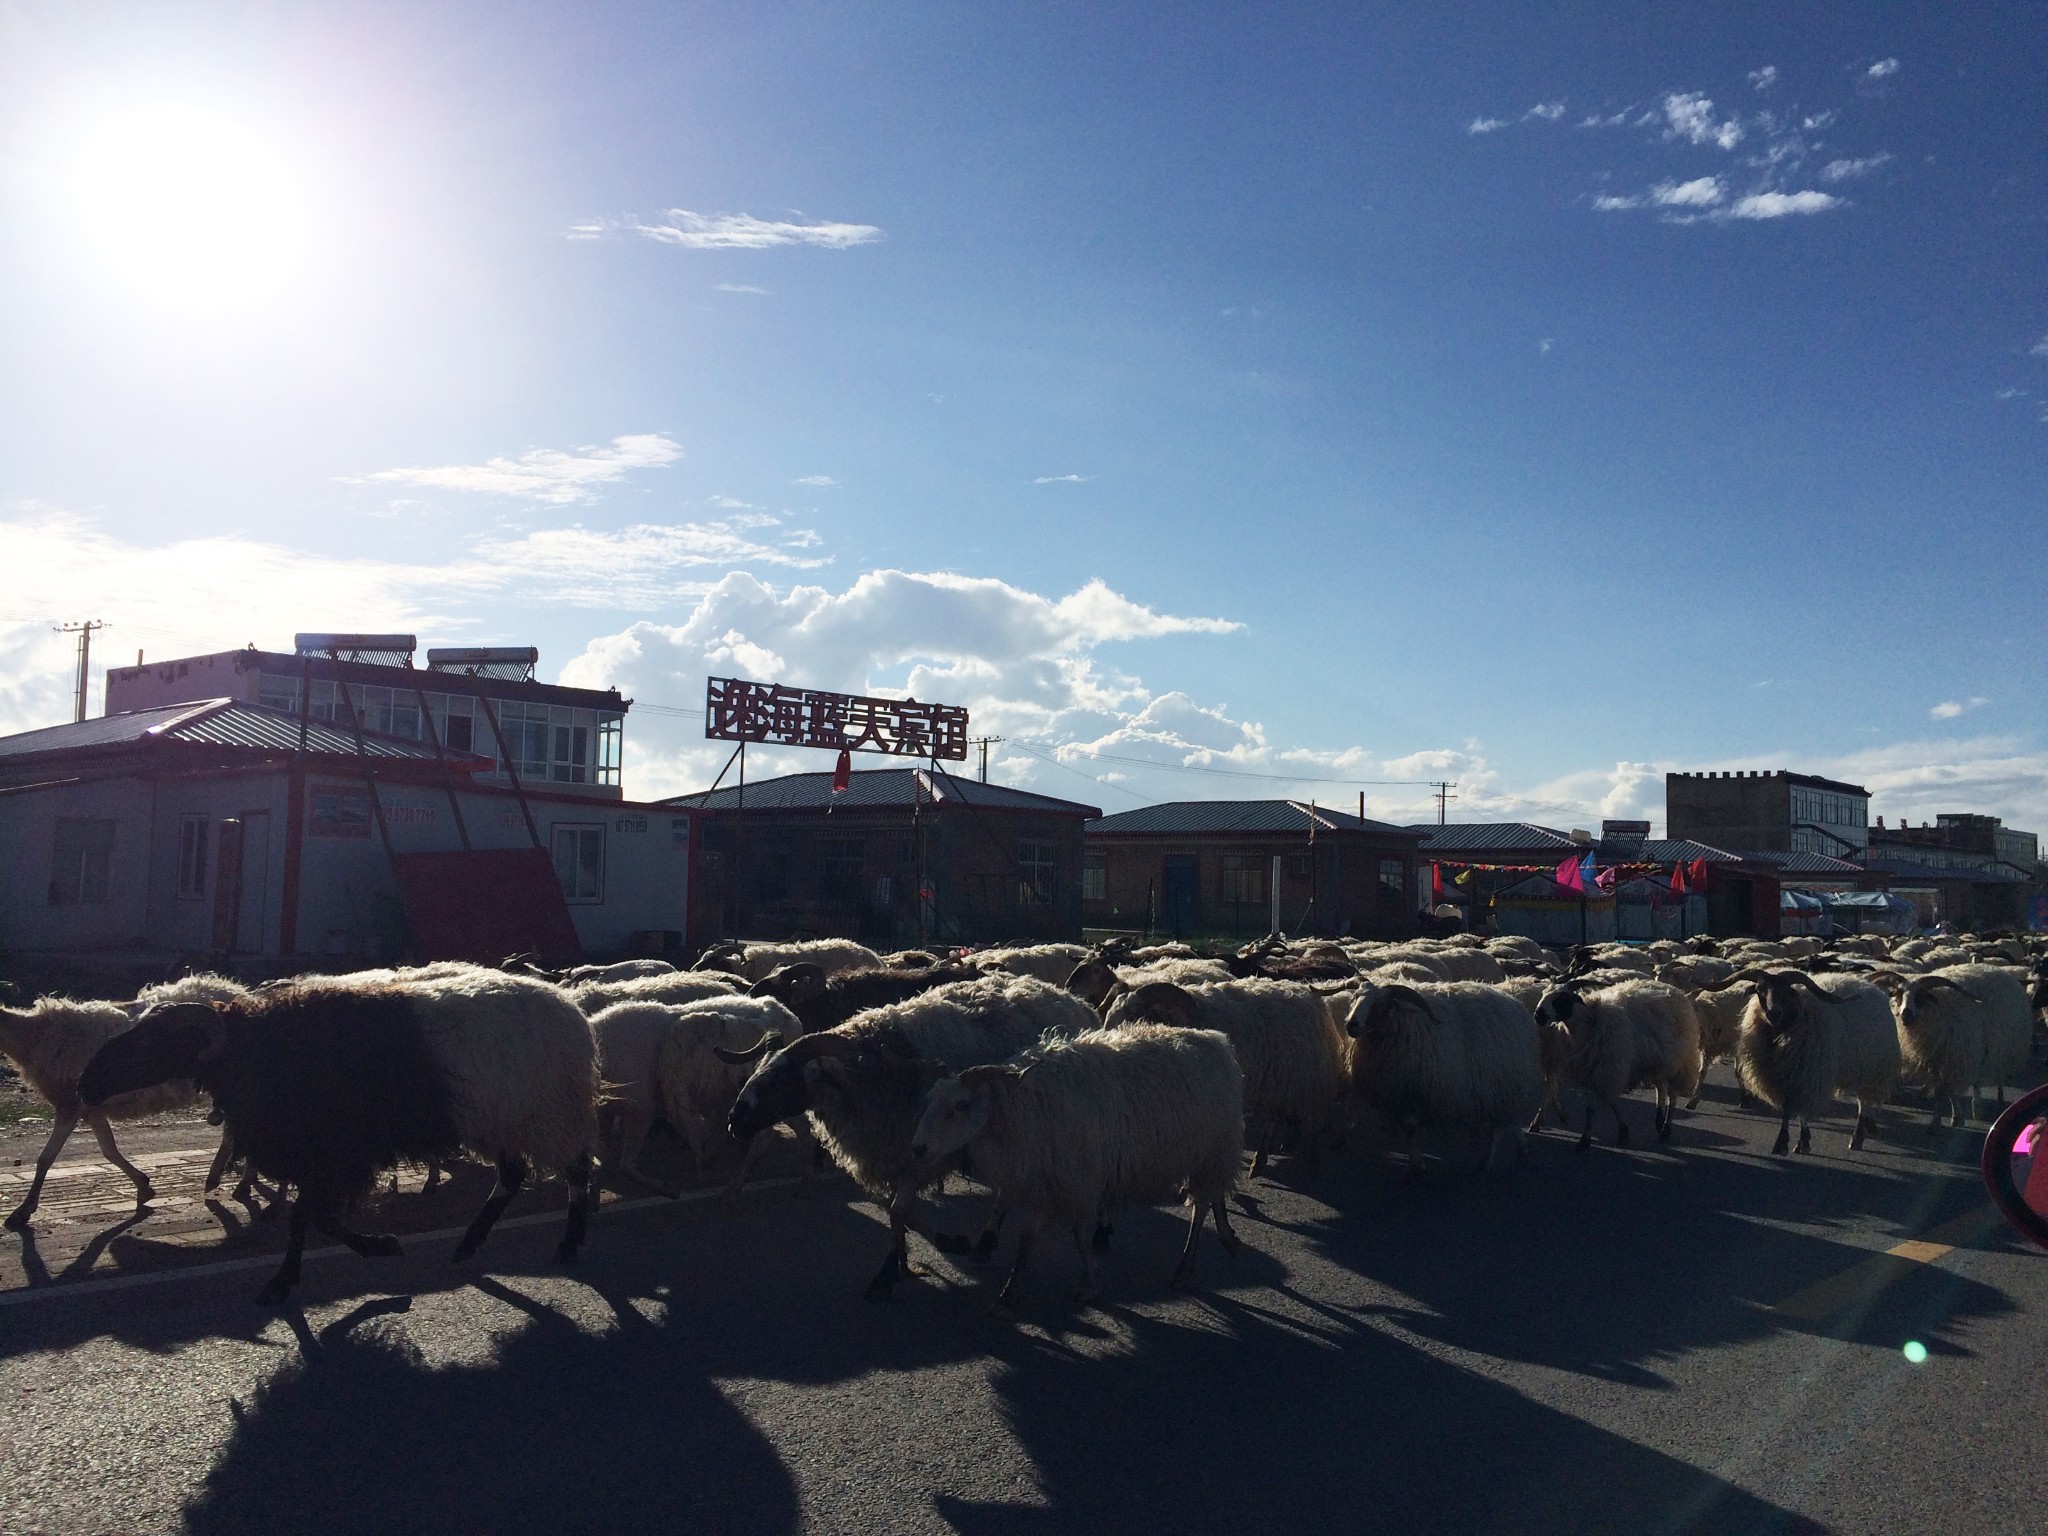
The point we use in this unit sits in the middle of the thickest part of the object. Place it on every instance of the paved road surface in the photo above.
(1699, 1338)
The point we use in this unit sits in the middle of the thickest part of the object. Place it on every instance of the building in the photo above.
(227, 834)
(1241, 868)
(570, 740)
(1774, 812)
(900, 856)
(1970, 871)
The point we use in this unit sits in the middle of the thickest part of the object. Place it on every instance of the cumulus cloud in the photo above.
(1763, 79)
(1882, 69)
(1689, 115)
(546, 475)
(1702, 192)
(2039, 348)
(1545, 111)
(1486, 125)
(1849, 170)
(1779, 205)
(1948, 709)
(744, 232)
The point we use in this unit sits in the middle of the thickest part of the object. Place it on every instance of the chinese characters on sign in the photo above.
(802, 717)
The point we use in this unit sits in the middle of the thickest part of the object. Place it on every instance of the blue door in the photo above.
(1180, 890)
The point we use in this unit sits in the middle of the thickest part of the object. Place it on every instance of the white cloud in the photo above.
(1763, 79)
(545, 475)
(1689, 115)
(1702, 192)
(2039, 348)
(1486, 125)
(814, 480)
(1062, 479)
(1545, 344)
(1612, 203)
(1817, 121)
(1545, 111)
(1882, 69)
(1950, 708)
(740, 288)
(1779, 205)
(742, 231)
(2010, 393)
(1847, 170)
(733, 504)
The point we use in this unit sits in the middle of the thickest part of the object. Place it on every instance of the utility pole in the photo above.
(1443, 796)
(84, 633)
(984, 742)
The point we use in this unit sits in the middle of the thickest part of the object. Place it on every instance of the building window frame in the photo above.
(1095, 878)
(1242, 879)
(1038, 865)
(579, 855)
(81, 861)
(194, 828)
(1390, 890)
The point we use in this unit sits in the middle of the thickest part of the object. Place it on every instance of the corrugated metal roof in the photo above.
(1188, 818)
(1494, 837)
(1801, 863)
(1904, 869)
(877, 789)
(218, 723)
(1683, 850)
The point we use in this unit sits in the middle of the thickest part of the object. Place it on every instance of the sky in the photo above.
(1218, 401)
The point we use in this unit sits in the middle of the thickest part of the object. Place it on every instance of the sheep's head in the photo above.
(723, 956)
(1093, 982)
(1913, 992)
(792, 984)
(1377, 1007)
(1560, 1005)
(1157, 1002)
(957, 1109)
(813, 1071)
(168, 1042)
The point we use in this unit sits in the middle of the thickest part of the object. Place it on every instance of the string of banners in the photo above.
(737, 710)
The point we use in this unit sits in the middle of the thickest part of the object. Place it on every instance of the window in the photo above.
(611, 750)
(1393, 880)
(1039, 865)
(1300, 864)
(571, 763)
(839, 868)
(1241, 879)
(1095, 880)
(83, 858)
(275, 692)
(579, 862)
(191, 855)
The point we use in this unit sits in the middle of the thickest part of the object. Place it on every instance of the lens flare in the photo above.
(1915, 1352)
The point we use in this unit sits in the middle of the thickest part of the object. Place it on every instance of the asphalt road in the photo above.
(1692, 1338)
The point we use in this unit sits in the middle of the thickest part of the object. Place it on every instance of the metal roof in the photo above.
(217, 723)
(1188, 818)
(1905, 869)
(1683, 850)
(1801, 863)
(1495, 837)
(877, 789)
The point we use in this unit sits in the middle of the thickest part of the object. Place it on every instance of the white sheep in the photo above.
(1807, 1038)
(1073, 1127)
(1454, 1053)
(1289, 1047)
(829, 955)
(1633, 1034)
(657, 1064)
(1963, 1026)
(594, 997)
(1047, 962)
(50, 1043)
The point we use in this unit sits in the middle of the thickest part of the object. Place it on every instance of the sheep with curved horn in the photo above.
(1804, 1039)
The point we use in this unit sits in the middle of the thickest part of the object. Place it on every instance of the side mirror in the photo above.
(2015, 1164)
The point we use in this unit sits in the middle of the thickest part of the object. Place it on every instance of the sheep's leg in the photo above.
(433, 1177)
(511, 1174)
(1259, 1155)
(1667, 1107)
(1083, 1247)
(280, 1284)
(60, 1132)
(1620, 1125)
(103, 1133)
(1197, 1211)
(582, 1196)
(1784, 1141)
(1586, 1136)
(1856, 1136)
(992, 1234)
(1805, 1136)
(1026, 1241)
(814, 1166)
(1224, 1232)
(897, 1264)
(223, 1160)
(371, 1245)
(738, 1181)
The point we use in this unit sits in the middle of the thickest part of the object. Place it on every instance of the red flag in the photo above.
(1678, 877)
(1567, 875)
(842, 772)
(1436, 883)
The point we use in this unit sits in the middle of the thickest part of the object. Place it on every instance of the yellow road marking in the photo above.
(1862, 1282)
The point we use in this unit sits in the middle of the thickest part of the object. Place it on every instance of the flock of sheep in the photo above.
(1069, 1081)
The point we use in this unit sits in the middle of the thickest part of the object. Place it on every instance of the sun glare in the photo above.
(190, 207)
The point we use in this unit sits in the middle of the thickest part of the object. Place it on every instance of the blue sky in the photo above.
(1539, 397)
